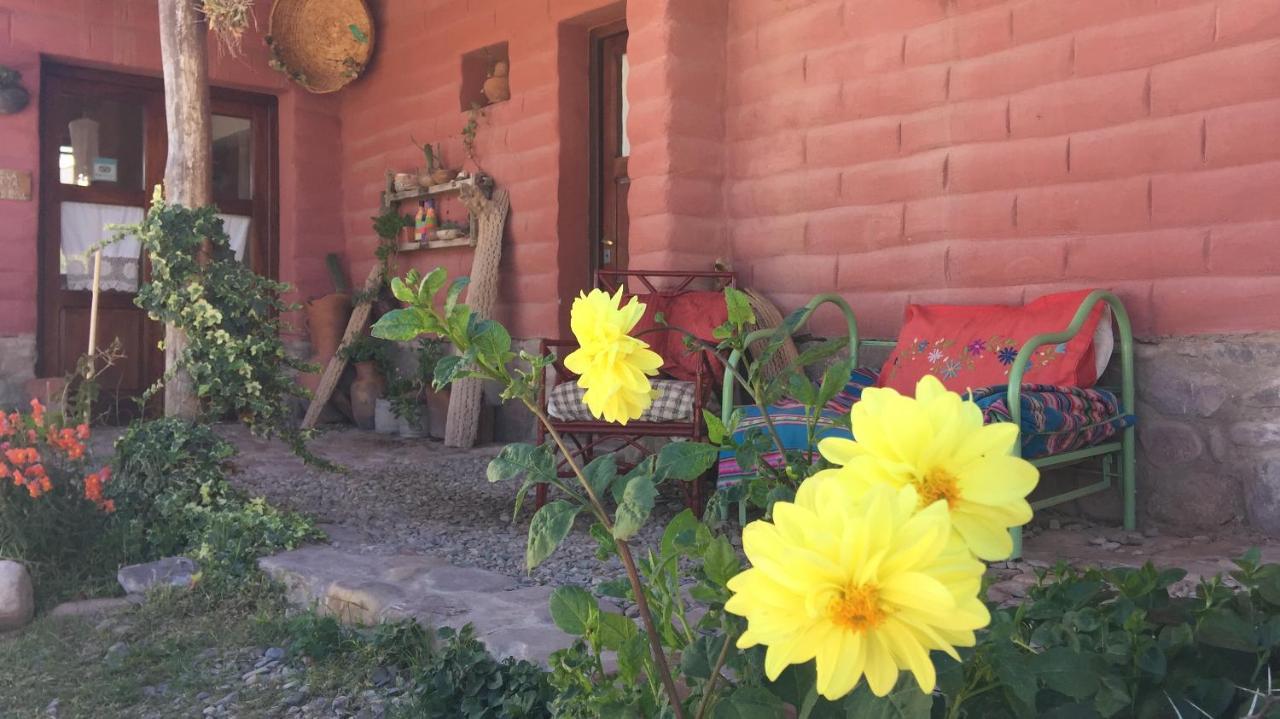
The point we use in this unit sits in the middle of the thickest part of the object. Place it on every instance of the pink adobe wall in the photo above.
(994, 150)
(122, 35)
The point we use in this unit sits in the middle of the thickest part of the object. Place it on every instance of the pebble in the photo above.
(228, 699)
(293, 699)
(273, 654)
(117, 651)
(1055, 524)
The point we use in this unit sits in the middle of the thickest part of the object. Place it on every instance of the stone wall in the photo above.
(17, 366)
(1209, 431)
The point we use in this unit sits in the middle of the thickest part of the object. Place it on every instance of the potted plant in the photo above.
(412, 399)
(369, 357)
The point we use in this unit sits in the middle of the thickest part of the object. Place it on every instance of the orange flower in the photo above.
(33, 490)
(109, 506)
(82, 431)
(37, 412)
(15, 456)
(45, 484)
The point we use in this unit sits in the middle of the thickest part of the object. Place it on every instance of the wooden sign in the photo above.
(15, 185)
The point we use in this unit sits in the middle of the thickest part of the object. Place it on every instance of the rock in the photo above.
(52, 709)
(273, 654)
(1110, 545)
(293, 699)
(1262, 494)
(1055, 524)
(116, 651)
(228, 699)
(1200, 539)
(381, 677)
(1152, 531)
(17, 596)
(90, 608)
(1255, 434)
(1194, 500)
(1098, 541)
(1167, 443)
(1182, 390)
(168, 572)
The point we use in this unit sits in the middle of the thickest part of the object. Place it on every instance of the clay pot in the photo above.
(13, 99)
(326, 322)
(404, 181)
(441, 176)
(412, 428)
(498, 87)
(384, 418)
(366, 390)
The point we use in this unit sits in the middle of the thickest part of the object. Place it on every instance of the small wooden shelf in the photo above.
(464, 241)
(390, 198)
(418, 193)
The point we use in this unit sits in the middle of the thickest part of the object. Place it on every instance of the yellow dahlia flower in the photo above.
(937, 443)
(613, 367)
(866, 585)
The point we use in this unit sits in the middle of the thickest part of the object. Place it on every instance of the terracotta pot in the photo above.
(366, 390)
(326, 322)
(497, 89)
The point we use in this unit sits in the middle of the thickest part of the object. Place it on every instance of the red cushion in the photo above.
(974, 346)
(697, 312)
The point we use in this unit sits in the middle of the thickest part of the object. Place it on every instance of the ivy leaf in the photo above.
(548, 529)
(403, 325)
(686, 460)
(739, 305)
(1066, 672)
(633, 510)
(515, 459)
(601, 473)
(749, 703)
(616, 630)
(574, 610)
(720, 562)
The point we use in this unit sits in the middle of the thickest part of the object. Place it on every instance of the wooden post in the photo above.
(93, 313)
(188, 172)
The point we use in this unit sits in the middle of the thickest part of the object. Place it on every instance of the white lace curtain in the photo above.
(85, 225)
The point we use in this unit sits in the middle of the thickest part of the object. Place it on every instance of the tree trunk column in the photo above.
(188, 176)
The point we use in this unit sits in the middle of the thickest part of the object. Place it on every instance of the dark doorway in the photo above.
(103, 148)
(610, 147)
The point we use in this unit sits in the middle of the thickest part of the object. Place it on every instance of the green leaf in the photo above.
(720, 562)
(906, 701)
(749, 703)
(600, 473)
(686, 460)
(403, 325)
(1113, 696)
(432, 283)
(522, 458)
(448, 368)
(1152, 661)
(681, 534)
(402, 292)
(1225, 629)
(1066, 672)
(739, 304)
(549, 527)
(491, 341)
(715, 428)
(633, 510)
(834, 380)
(1015, 673)
(631, 657)
(605, 546)
(574, 610)
(616, 630)
(699, 658)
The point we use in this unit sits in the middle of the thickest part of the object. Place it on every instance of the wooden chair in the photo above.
(586, 438)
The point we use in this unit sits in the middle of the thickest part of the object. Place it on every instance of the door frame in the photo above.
(264, 205)
(597, 161)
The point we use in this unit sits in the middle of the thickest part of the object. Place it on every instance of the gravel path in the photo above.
(418, 496)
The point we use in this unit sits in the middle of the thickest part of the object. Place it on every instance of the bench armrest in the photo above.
(1125, 330)
(794, 321)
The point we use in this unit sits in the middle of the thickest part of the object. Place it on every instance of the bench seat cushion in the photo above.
(674, 402)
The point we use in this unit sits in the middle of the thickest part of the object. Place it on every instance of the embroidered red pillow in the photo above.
(974, 346)
(697, 312)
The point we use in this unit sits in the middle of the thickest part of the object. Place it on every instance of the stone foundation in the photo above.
(17, 367)
(1209, 431)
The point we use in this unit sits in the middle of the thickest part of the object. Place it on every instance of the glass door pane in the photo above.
(232, 158)
(100, 141)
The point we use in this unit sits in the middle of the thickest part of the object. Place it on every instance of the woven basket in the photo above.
(320, 44)
(768, 317)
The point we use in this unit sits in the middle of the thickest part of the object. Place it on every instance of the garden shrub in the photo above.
(173, 498)
(462, 680)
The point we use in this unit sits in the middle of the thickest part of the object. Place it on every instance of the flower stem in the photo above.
(710, 689)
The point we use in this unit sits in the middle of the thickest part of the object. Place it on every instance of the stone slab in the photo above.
(17, 596)
(369, 588)
(167, 572)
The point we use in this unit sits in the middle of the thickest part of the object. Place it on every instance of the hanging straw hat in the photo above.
(768, 316)
(320, 44)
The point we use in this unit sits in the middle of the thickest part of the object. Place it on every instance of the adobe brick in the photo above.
(854, 229)
(788, 193)
(865, 18)
(854, 59)
(1107, 206)
(1241, 134)
(1245, 249)
(1039, 19)
(1138, 255)
(894, 180)
(1080, 104)
(958, 38)
(1234, 194)
(894, 93)
(895, 268)
(1004, 165)
(1238, 74)
(766, 236)
(817, 273)
(1145, 41)
(972, 216)
(955, 124)
(820, 24)
(851, 143)
(1001, 263)
(1242, 20)
(765, 156)
(1144, 147)
(1194, 305)
(1013, 70)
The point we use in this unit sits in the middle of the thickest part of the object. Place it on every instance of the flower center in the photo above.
(857, 608)
(938, 484)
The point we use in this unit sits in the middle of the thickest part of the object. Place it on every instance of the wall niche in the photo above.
(486, 76)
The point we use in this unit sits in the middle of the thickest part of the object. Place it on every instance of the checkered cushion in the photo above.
(674, 402)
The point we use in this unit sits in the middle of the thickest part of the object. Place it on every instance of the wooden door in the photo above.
(612, 148)
(103, 150)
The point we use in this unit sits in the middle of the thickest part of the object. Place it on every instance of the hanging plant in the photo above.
(229, 19)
